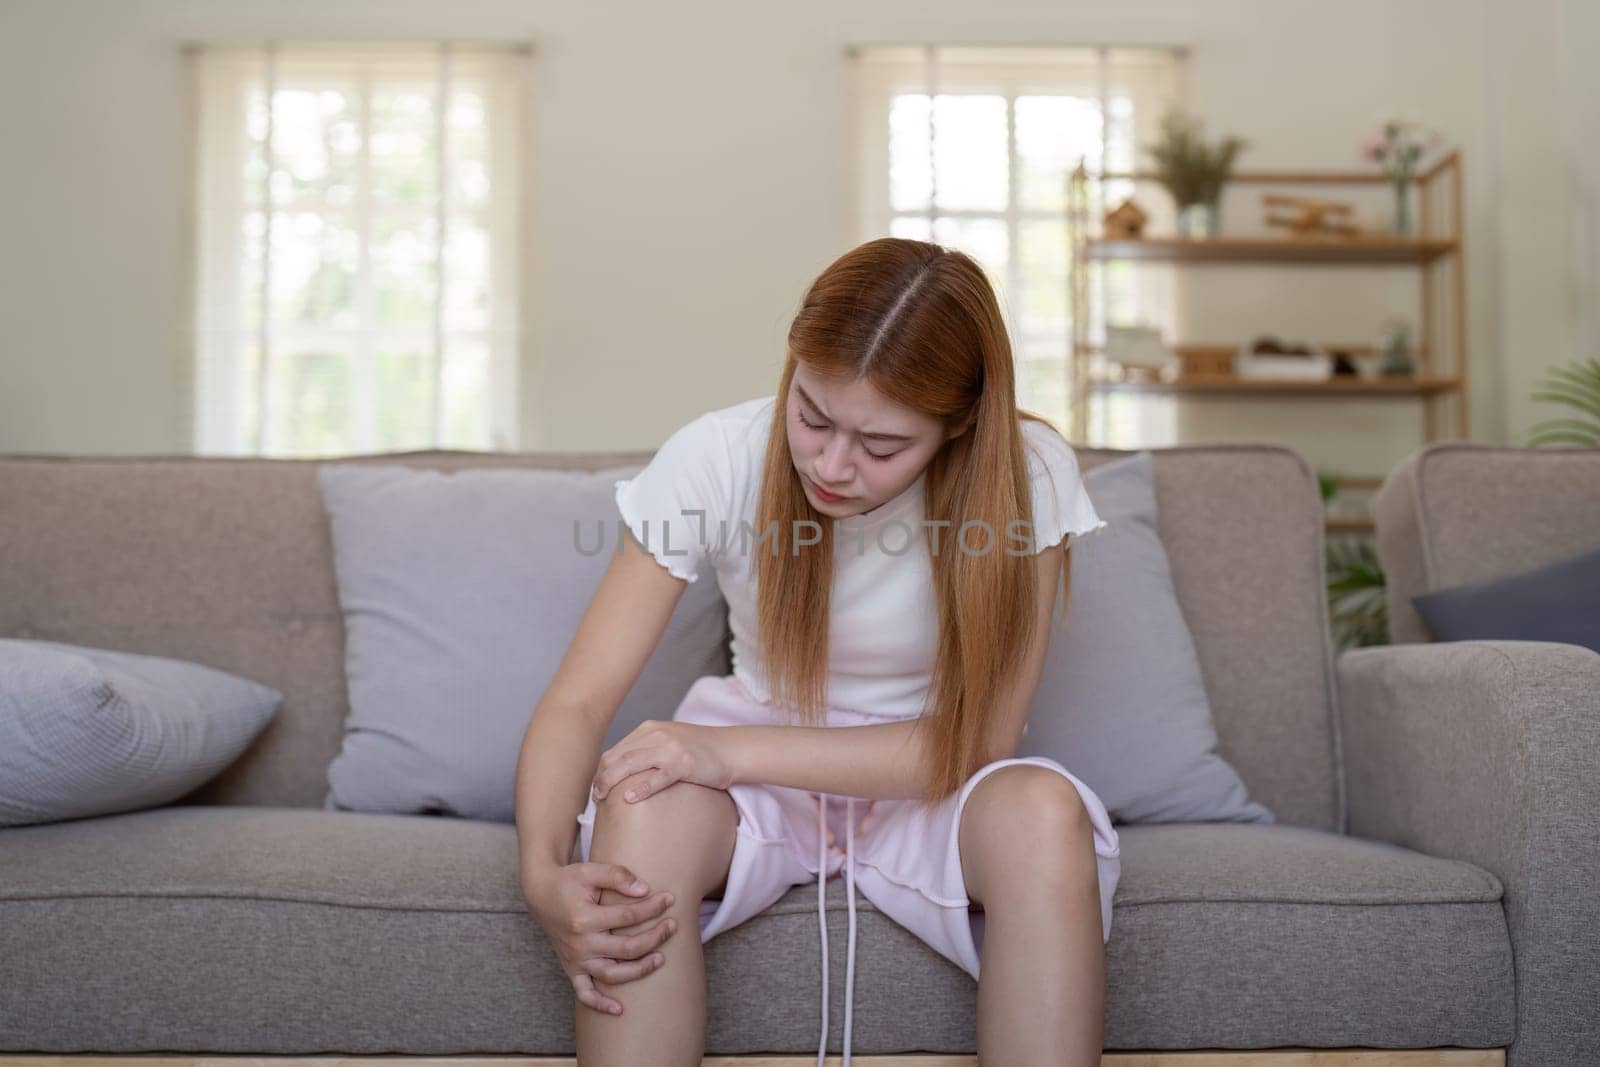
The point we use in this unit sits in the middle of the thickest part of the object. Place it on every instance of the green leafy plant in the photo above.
(1193, 171)
(1576, 386)
(1357, 590)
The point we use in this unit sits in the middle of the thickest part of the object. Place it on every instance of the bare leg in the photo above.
(679, 840)
(1041, 997)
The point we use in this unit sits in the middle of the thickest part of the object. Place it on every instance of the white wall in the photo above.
(688, 180)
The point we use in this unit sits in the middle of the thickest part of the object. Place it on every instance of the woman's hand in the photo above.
(669, 752)
(565, 902)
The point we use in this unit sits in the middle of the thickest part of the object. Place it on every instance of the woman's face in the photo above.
(848, 439)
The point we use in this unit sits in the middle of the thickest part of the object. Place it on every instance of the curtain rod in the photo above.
(501, 44)
(853, 47)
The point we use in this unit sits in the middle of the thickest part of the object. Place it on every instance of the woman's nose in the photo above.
(833, 465)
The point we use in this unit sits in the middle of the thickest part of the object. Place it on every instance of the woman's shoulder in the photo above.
(704, 469)
(721, 451)
(1047, 448)
(725, 430)
(745, 410)
(1061, 503)
(742, 428)
(755, 412)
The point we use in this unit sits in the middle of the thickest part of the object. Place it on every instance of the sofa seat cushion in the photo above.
(283, 931)
(1251, 936)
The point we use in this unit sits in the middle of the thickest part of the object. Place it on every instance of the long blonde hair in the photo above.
(922, 324)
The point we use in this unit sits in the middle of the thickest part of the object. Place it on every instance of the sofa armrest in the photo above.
(1489, 752)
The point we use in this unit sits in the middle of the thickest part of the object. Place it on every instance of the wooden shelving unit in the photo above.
(1357, 250)
(1354, 522)
(1436, 253)
(1221, 383)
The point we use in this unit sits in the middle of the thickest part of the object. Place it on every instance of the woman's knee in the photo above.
(685, 830)
(677, 803)
(1046, 796)
(1023, 817)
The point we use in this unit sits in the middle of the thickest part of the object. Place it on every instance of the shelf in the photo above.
(1353, 349)
(1342, 385)
(1435, 253)
(1369, 250)
(1350, 522)
(1282, 177)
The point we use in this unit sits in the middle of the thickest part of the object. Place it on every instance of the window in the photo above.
(357, 245)
(972, 147)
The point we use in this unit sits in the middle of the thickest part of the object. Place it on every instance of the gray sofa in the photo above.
(1445, 786)
(1506, 773)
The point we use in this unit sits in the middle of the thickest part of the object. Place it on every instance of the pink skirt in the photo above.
(904, 860)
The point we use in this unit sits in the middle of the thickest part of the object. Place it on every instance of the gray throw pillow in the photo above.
(461, 592)
(1121, 702)
(89, 731)
(1559, 601)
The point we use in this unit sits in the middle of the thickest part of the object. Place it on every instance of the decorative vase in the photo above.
(1402, 206)
(1199, 220)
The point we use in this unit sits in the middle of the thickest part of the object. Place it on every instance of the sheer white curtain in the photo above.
(973, 146)
(357, 245)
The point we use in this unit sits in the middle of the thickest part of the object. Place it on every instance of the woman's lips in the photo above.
(831, 498)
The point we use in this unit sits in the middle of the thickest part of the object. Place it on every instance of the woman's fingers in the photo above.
(613, 916)
(618, 971)
(614, 773)
(632, 946)
(613, 768)
(647, 785)
(591, 997)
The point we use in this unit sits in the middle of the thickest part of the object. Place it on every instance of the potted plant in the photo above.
(1193, 171)
(1395, 345)
(1578, 387)
(1398, 146)
(1357, 594)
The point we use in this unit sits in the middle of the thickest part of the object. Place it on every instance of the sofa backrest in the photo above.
(229, 563)
(1452, 513)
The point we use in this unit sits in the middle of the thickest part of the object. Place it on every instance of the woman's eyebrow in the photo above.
(865, 433)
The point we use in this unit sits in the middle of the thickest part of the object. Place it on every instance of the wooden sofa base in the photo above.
(1288, 1057)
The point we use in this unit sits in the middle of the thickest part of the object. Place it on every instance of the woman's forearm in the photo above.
(560, 750)
(880, 761)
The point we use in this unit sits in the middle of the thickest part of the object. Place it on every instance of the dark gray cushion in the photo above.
(90, 731)
(461, 592)
(1122, 703)
(1559, 601)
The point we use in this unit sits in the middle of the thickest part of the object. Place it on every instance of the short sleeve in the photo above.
(1061, 504)
(677, 506)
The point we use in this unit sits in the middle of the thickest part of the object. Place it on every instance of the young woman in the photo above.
(889, 532)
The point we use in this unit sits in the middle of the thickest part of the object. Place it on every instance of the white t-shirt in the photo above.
(883, 616)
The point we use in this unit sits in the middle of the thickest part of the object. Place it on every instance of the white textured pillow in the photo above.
(88, 731)
(1122, 702)
(461, 592)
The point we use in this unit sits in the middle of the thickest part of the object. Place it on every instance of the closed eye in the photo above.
(816, 426)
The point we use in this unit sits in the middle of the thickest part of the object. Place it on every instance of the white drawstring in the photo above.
(850, 893)
(822, 921)
(822, 917)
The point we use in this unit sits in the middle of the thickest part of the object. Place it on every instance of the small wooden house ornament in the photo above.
(1125, 220)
